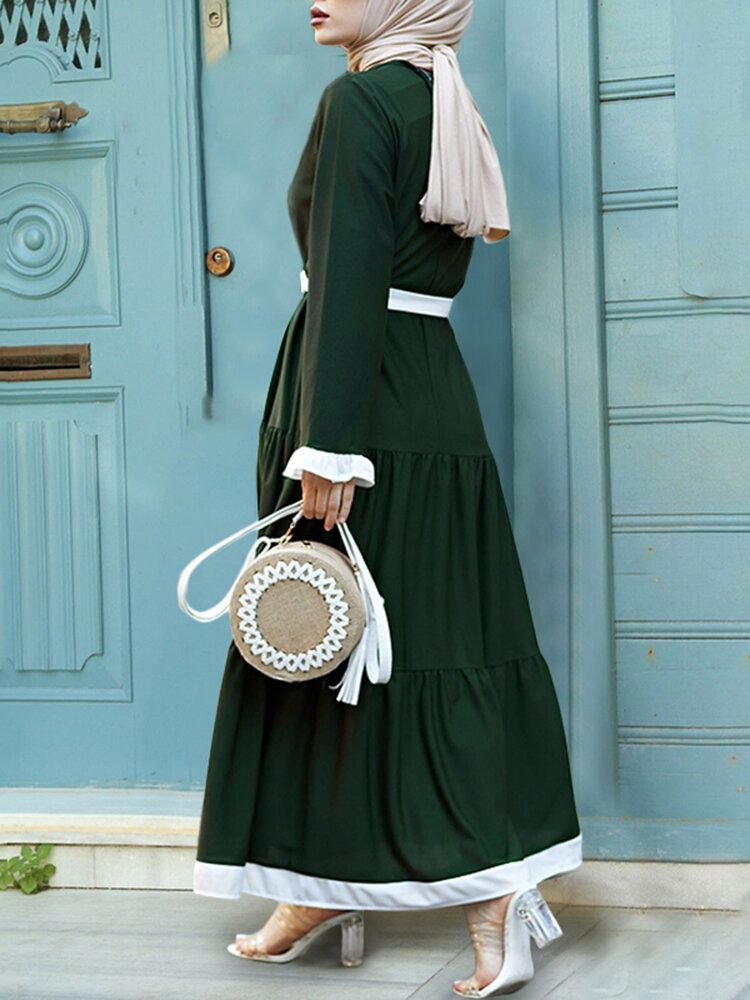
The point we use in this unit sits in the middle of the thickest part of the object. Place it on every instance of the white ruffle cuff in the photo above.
(337, 467)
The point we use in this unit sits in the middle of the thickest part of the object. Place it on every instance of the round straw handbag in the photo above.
(298, 609)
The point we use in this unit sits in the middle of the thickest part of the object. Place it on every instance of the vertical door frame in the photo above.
(561, 475)
(192, 319)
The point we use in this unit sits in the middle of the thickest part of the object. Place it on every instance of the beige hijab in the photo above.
(465, 187)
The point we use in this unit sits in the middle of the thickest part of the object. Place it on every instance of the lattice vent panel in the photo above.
(70, 31)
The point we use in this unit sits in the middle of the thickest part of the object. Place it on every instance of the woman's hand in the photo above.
(322, 498)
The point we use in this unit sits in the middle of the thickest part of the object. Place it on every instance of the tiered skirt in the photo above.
(450, 783)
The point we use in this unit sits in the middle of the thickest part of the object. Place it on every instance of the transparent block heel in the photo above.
(540, 920)
(353, 940)
(352, 937)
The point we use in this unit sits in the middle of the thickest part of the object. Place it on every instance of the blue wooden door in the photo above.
(110, 484)
(634, 460)
(100, 245)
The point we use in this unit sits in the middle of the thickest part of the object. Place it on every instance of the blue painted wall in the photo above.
(631, 381)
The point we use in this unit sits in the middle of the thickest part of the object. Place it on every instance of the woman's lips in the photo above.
(317, 15)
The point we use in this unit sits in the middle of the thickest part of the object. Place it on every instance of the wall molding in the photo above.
(680, 413)
(678, 306)
(685, 735)
(191, 312)
(672, 629)
(650, 523)
(594, 709)
(637, 87)
(641, 198)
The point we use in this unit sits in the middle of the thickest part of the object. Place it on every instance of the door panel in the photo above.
(94, 249)
(64, 547)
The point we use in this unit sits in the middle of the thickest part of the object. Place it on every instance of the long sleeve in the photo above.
(350, 242)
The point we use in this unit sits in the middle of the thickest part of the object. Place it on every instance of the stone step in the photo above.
(146, 839)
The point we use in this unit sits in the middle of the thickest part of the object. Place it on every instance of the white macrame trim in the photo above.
(333, 465)
(230, 881)
(319, 580)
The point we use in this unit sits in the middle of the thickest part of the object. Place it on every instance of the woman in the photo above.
(449, 784)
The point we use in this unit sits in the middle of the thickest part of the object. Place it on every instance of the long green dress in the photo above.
(451, 782)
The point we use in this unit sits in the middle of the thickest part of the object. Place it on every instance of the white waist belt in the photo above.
(404, 301)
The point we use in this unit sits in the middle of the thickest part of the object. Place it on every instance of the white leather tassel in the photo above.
(351, 682)
(373, 652)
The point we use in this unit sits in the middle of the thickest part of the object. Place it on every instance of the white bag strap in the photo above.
(373, 652)
(221, 608)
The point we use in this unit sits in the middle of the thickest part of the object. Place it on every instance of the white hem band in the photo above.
(230, 881)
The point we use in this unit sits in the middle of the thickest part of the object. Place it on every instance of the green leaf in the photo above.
(48, 871)
(28, 883)
(26, 851)
(15, 864)
(43, 851)
(6, 881)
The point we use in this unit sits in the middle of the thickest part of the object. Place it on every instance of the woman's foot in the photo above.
(287, 923)
(486, 921)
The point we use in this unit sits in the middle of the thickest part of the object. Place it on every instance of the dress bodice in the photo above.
(392, 102)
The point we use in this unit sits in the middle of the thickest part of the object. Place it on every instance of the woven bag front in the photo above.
(297, 611)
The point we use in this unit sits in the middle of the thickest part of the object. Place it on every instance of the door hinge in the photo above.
(215, 29)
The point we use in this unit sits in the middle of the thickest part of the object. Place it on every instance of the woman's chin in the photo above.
(325, 36)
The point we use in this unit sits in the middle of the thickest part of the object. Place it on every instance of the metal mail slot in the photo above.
(45, 361)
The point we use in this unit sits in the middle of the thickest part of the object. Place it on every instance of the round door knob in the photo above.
(219, 261)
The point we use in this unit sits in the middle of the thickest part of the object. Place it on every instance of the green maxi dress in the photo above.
(451, 782)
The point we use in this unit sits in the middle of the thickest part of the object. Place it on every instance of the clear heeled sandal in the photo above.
(527, 916)
(288, 916)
